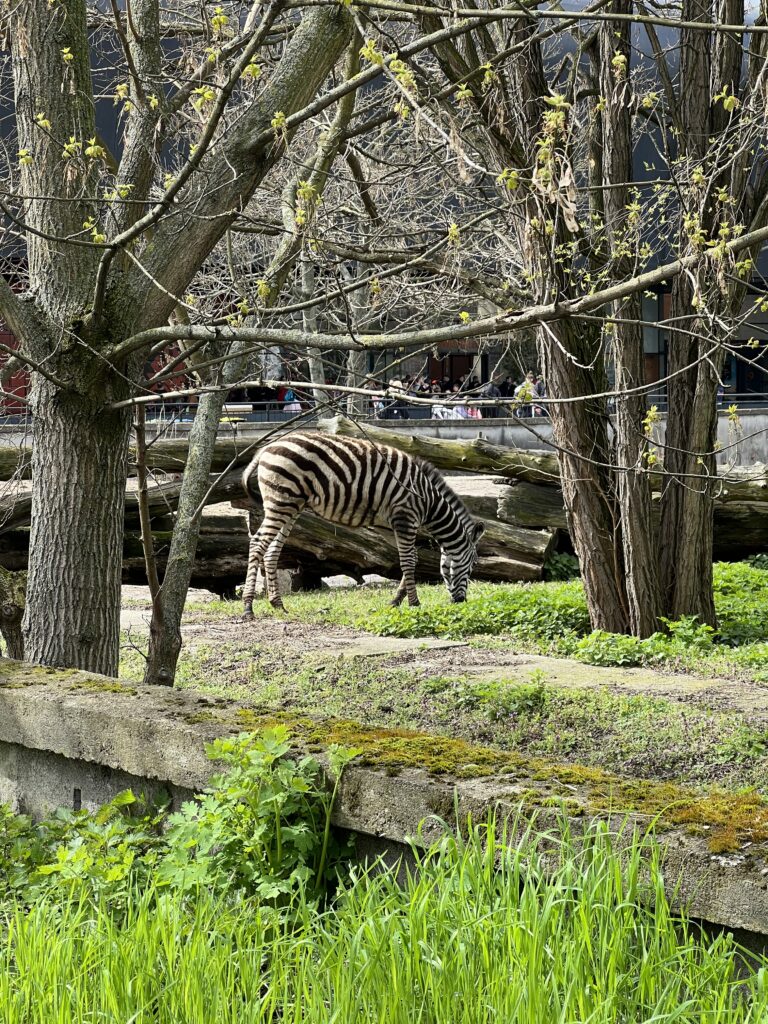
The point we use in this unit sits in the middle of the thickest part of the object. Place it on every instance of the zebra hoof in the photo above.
(247, 616)
(277, 604)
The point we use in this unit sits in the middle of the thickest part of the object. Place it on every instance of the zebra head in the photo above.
(456, 566)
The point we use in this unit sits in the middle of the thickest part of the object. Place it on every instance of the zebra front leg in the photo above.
(405, 536)
(400, 593)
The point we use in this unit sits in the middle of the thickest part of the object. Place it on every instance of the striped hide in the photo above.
(355, 482)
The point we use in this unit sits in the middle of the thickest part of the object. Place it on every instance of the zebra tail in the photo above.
(250, 479)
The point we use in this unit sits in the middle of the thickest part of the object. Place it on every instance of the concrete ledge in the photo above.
(70, 737)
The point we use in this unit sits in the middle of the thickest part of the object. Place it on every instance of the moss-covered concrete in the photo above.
(51, 721)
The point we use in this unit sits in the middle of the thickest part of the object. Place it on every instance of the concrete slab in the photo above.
(377, 646)
(68, 736)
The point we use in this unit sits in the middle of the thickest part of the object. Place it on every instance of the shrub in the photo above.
(544, 611)
(261, 828)
(601, 648)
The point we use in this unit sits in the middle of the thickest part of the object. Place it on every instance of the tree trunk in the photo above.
(639, 548)
(165, 627)
(72, 616)
(687, 503)
(580, 430)
(13, 593)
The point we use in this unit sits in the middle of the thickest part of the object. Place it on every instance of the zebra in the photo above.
(356, 483)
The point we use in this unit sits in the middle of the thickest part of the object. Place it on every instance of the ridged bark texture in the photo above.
(687, 504)
(580, 430)
(76, 539)
(638, 533)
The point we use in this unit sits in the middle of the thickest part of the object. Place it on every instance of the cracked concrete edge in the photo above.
(62, 729)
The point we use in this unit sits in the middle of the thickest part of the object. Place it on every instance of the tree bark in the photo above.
(580, 430)
(79, 471)
(165, 627)
(13, 592)
(638, 540)
(687, 504)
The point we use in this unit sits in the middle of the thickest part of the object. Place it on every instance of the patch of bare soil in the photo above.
(286, 643)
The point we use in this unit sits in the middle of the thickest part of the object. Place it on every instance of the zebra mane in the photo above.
(442, 488)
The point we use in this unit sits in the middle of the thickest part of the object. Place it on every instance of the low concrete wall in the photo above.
(742, 446)
(68, 738)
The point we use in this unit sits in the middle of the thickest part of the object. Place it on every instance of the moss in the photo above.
(104, 686)
(199, 716)
(729, 819)
(20, 675)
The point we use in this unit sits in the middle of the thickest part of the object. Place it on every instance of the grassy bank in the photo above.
(552, 619)
(110, 918)
(696, 740)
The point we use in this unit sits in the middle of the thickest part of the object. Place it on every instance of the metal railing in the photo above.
(450, 408)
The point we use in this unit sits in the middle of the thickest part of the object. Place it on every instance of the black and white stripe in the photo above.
(355, 483)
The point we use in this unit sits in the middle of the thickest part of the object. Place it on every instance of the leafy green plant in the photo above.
(102, 855)
(549, 610)
(601, 648)
(691, 634)
(261, 827)
(501, 700)
(562, 566)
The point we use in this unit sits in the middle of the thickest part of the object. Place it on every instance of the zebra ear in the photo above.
(477, 531)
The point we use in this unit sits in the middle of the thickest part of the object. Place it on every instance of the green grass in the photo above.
(641, 734)
(649, 736)
(481, 933)
(552, 619)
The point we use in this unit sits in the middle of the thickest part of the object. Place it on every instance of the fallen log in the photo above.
(740, 527)
(477, 456)
(506, 552)
(525, 504)
(316, 547)
(163, 499)
(164, 454)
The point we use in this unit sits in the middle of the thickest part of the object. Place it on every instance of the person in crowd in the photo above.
(507, 386)
(291, 403)
(491, 390)
(540, 393)
(458, 403)
(395, 407)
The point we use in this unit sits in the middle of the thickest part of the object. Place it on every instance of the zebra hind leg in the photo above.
(270, 559)
(256, 548)
(405, 536)
(400, 593)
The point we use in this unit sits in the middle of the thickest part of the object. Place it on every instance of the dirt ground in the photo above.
(293, 643)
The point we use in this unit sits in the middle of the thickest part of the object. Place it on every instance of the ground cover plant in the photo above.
(526, 925)
(551, 618)
(696, 737)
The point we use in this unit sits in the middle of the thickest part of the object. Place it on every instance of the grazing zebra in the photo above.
(356, 483)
